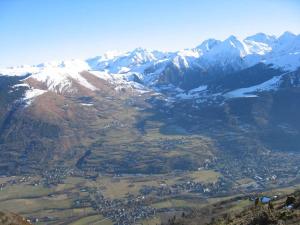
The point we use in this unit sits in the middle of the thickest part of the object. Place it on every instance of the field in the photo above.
(205, 176)
(55, 204)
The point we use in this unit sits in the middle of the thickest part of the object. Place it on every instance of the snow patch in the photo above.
(21, 85)
(198, 89)
(272, 84)
(86, 104)
(31, 94)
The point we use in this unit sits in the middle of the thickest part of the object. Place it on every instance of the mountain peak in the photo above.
(261, 37)
(233, 41)
(231, 51)
(208, 44)
(232, 46)
(287, 36)
(231, 38)
(141, 52)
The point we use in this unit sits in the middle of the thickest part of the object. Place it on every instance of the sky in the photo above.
(35, 31)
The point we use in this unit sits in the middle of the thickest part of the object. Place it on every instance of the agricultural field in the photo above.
(73, 200)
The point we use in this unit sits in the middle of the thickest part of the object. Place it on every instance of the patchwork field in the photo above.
(57, 204)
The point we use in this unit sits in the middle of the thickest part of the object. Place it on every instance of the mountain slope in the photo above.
(189, 109)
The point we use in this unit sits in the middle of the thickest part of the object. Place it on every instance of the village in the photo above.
(134, 207)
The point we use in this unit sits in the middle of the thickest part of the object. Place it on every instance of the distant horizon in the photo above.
(36, 32)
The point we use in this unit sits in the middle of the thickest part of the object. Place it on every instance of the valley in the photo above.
(72, 197)
(145, 136)
(188, 165)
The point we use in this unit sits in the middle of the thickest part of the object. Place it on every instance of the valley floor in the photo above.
(69, 197)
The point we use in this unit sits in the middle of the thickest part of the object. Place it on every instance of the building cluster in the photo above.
(120, 211)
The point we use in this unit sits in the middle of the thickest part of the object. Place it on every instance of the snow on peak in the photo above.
(207, 45)
(129, 61)
(261, 38)
(285, 53)
(140, 56)
(287, 36)
(147, 65)
(230, 47)
(223, 53)
(55, 75)
(185, 58)
(235, 46)
(59, 75)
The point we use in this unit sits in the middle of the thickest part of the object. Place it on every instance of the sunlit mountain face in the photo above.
(216, 120)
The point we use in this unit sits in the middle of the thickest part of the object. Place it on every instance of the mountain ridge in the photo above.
(146, 69)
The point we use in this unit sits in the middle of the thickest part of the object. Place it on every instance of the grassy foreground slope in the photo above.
(283, 211)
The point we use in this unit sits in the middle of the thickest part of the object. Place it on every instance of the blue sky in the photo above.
(33, 31)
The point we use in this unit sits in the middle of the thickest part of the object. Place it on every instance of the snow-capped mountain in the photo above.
(186, 69)
(76, 112)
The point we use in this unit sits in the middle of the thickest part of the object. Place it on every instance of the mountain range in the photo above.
(230, 93)
(142, 69)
